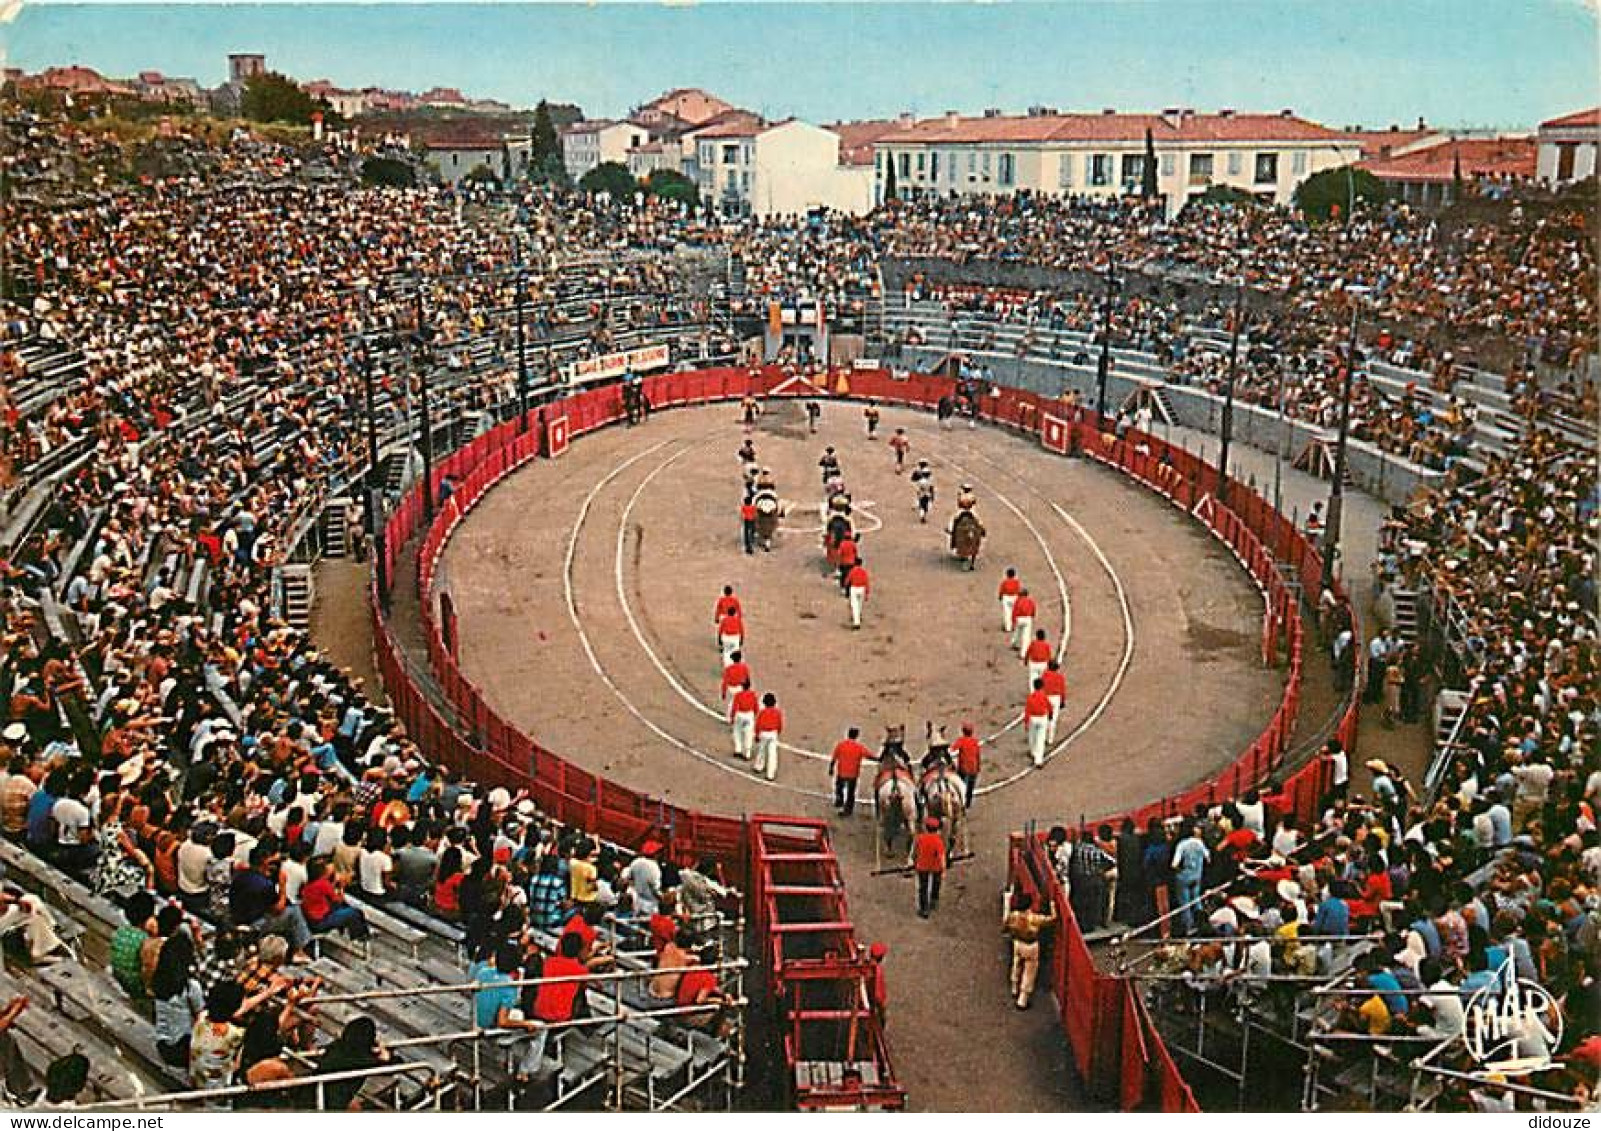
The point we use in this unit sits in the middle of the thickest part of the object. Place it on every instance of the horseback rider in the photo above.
(939, 751)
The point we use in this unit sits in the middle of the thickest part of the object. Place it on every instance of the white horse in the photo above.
(895, 794)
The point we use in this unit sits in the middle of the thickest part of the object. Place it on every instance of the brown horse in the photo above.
(967, 537)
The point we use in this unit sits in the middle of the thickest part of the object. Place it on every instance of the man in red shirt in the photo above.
(928, 859)
(747, 524)
(1037, 717)
(1037, 655)
(1022, 620)
(846, 766)
(769, 726)
(856, 585)
(1054, 684)
(1010, 588)
(966, 750)
(699, 988)
(726, 604)
(731, 635)
(845, 553)
(742, 718)
(735, 675)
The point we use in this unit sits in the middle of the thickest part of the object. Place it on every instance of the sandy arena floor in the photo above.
(585, 589)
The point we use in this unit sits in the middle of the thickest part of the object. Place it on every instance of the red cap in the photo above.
(878, 950)
(503, 854)
(650, 848)
(931, 823)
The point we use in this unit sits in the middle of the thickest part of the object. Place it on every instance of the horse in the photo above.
(967, 537)
(768, 511)
(942, 794)
(894, 794)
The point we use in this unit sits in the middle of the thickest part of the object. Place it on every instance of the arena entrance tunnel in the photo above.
(818, 975)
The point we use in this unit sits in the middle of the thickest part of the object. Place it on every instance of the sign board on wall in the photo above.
(616, 364)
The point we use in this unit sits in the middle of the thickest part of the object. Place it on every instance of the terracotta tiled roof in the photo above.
(1479, 157)
(1170, 130)
(1382, 143)
(857, 139)
(1577, 118)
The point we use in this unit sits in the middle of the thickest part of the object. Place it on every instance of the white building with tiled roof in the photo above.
(778, 169)
(585, 145)
(1267, 155)
(1568, 147)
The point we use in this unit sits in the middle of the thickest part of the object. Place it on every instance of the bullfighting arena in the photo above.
(585, 588)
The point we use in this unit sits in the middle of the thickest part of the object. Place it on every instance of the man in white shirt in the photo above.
(375, 869)
(645, 880)
(75, 848)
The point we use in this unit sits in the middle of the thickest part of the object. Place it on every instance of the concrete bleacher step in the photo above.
(44, 1034)
(1406, 613)
(95, 1001)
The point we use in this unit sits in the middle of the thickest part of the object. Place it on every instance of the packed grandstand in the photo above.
(237, 877)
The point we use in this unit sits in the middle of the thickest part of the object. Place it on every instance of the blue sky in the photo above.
(1506, 63)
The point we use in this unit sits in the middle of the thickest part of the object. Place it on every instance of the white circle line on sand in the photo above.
(709, 711)
(600, 670)
(1128, 633)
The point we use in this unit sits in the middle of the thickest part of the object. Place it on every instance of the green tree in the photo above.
(890, 186)
(1329, 193)
(544, 134)
(482, 174)
(1148, 188)
(670, 184)
(609, 177)
(1228, 194)
(389, 171)
(270, 97)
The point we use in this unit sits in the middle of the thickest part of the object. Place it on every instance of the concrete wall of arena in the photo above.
(1380, 474)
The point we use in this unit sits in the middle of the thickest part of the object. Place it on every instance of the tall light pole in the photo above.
(375, 518)
(1104, 365)
(1331, 531)
(1228, 394)
(420, 360)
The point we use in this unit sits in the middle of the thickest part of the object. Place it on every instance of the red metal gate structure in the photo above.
(819, 975)
(787, 864)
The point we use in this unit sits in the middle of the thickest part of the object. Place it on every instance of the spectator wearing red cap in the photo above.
(928, 860)
(878, 988)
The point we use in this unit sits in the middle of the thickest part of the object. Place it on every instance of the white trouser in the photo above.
(1006, 609)
(1038, 735)
(731, 644)
(858, 599)
(1022, 633)
(767, 753)
(744, 733)
(1056, 713)
(1035, 670)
